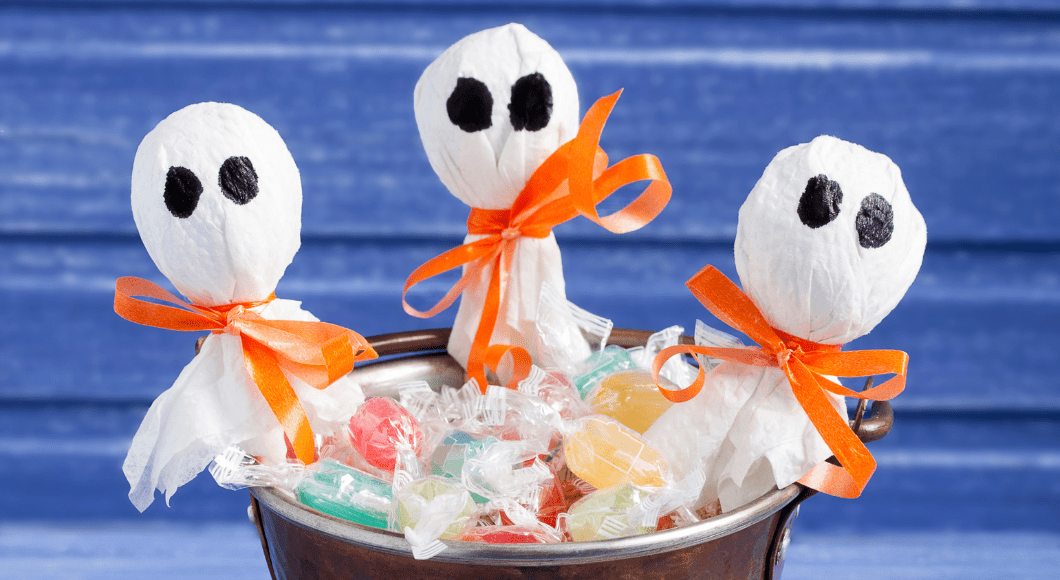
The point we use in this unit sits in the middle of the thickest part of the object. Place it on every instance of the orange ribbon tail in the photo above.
(318, 353)
(572, 181)
(804, 363)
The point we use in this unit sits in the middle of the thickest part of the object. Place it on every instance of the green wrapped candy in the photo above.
(456, 448)
(346, 493)
(600, 364)
(604, 514)
(415, 501)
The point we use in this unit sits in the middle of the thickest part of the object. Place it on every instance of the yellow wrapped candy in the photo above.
(630, 397)
(604, 454)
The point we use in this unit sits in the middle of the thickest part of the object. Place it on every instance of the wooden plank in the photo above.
(978, 326)
(968, 108)
(936, 556)
(965, 8)
(132, 551)
(959, 471)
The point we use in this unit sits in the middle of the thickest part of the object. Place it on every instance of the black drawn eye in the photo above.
(819, 204)
(875, 221)
(182, 192)
(531, 104)
(470, 106)
(238, 180)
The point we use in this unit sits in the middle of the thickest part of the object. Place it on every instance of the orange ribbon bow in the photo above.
(805, 363)
(316, 352)
(572, 181)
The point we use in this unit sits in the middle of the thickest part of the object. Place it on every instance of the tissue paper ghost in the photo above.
(217, 200)
(498, 116)
(827, 244)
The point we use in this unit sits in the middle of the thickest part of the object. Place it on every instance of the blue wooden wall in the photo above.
(963, 96)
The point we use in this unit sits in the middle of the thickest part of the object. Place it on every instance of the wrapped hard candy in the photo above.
(346, 493)
(511, 535)
(431, 509)
(378, 430)
(604, 453)
(599, 365)
(604, 514)
(631, 398)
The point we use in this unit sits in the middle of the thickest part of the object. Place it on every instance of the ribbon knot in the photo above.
(318, 353)
(805, 364)
(231, 319)
(571, 182)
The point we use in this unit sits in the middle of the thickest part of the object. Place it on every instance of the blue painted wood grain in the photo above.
(979, 328)
(968, 109)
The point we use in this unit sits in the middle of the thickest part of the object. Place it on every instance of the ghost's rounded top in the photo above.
(491, 109)
(217, 199)
(828, 240)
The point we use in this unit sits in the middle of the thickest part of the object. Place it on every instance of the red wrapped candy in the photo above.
(380, 428)
(510, 535)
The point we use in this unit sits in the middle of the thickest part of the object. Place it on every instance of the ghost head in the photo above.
(828, 240)
(491, 109)
(217, 199)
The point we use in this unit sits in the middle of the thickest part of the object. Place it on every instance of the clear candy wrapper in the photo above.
(678, 499)
(512, 416)
(554, 389)
(567, 334)
(600, 364)
(676, 370)
(507, 471)
(707, 335)
(235, 469)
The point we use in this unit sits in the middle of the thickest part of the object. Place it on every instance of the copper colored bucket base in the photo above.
(302, 543)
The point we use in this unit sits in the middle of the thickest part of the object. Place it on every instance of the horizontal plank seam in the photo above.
(783, 58)
(933, 10)
(1045, 411)
(566, 239)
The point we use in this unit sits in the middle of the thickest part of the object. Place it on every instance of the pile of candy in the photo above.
(561, 458)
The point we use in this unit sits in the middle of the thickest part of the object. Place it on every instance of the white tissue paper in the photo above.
(217, 200)
(828, 242)
(490, 110)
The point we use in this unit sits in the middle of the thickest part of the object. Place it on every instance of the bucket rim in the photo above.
(565, 553)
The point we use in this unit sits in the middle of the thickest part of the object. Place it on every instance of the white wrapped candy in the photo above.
(827, 244)
(217, 200)
(490, 110)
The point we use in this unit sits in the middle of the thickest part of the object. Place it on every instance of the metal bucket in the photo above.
(302, 543)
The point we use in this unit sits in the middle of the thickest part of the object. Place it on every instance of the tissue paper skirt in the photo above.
(747, 431)
(535, 262)
(214, 404)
